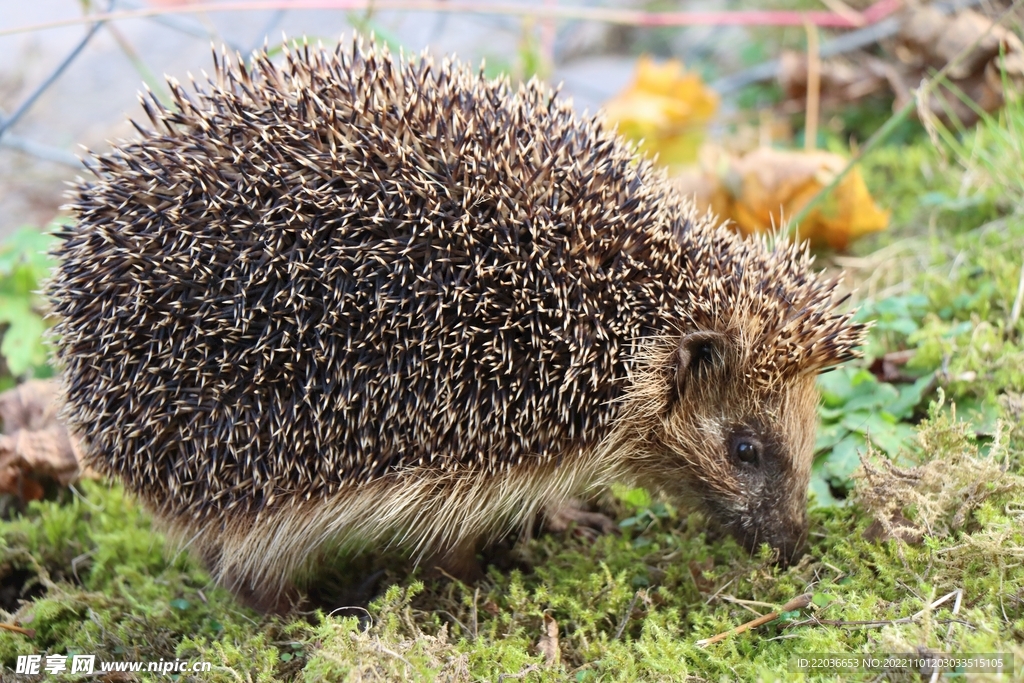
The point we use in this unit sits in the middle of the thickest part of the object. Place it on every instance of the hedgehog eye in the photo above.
(746, 450)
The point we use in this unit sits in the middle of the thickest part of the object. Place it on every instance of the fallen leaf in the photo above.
(927, 41)
(929, 38)
(548, 643)
(697, 570)
(842, 80)
(759, 191)
(35, 446)
(897, 527)
(666, 108)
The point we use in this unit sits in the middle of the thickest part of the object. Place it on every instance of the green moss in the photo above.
(628, 608)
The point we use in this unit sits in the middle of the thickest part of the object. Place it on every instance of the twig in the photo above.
(625, 17)
(958, 594)
(813, 87)
(1015, 311)
(476, 625)
(451, 616)
(929, 608)
(896, 119)
(17, 629)
(625, 617)
(956, 609)
(746, 604)
(798, 602)
(868, 623)
(528, 670)
(716, 593)
(6, 123)
(392, 653)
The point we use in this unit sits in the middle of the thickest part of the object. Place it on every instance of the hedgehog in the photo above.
(350, 300)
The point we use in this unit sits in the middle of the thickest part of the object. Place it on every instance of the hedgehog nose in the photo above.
(789, 549)
(789, 542)
(787, 538)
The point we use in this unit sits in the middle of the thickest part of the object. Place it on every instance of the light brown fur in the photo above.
(420, 510)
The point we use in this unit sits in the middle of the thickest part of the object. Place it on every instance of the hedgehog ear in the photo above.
(698, 354)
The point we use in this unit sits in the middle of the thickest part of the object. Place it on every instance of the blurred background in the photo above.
(74, 84)
(90, 101)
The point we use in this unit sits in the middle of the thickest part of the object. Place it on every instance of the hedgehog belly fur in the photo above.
(419, 510)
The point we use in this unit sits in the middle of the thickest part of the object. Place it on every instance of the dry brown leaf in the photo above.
(759, 191)
(842, 80)
(697, 569)
(928, 40)
(548, 643)
(665, 107)
(35, 446)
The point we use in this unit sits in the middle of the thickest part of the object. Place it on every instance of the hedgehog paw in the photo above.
(279, 603)
(583, 523)
(458, 562)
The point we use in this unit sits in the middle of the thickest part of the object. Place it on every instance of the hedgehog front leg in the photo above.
(590, 524)
(280, 599)
(458, 561)
(277, 601)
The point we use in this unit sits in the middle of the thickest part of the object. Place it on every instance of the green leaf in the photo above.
(828, 436)
(871, 395)
(903, 326)
(845, 457)
(835, 387)
(636, 498)
(873, 423)
(822, 599)
(629, 522)
(22, 346)
(180, 604)
(820, 489)
(910, 396)
(857, 421)
(894, 438)
(28, 247)
(829, 414)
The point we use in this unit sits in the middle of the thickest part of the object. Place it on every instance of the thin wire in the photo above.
(6, 123)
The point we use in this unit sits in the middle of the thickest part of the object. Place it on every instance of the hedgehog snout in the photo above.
(786, 534)
(766, 500)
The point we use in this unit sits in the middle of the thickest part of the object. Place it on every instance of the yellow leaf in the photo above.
(763, 189)
(666, 107)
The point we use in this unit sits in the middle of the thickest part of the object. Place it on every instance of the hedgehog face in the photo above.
(744, 450)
